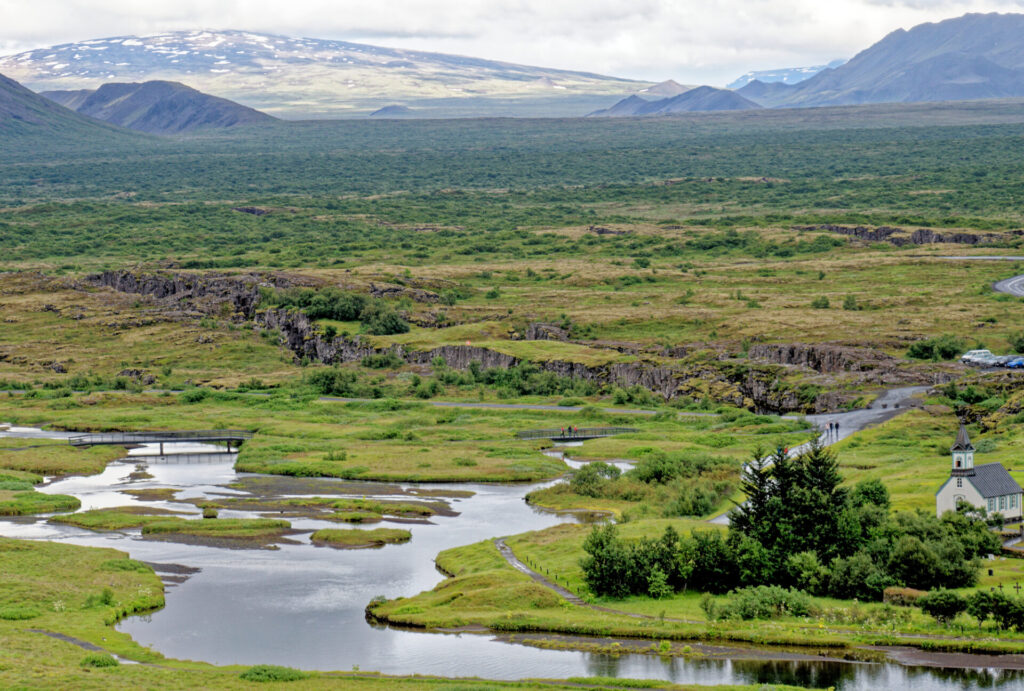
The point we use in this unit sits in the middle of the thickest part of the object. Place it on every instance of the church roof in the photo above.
(963, 442)
(992, 480)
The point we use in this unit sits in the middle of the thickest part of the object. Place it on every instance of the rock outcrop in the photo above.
(920, 236)
(763, 382)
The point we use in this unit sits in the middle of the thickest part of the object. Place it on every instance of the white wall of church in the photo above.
(946, 498)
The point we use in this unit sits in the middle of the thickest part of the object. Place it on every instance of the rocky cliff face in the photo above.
(823, 357)
(206, 293)
(921, 236)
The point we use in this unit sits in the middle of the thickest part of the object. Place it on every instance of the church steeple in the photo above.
(963, 453)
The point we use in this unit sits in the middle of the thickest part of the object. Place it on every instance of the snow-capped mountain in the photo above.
(304, 77)
(785, 75)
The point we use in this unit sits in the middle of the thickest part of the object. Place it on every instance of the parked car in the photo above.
(1003, 360)
(1016, 363)
(977, 357)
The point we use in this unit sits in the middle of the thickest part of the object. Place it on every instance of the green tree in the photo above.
(607, 566)
(943, 605)
(980, 605)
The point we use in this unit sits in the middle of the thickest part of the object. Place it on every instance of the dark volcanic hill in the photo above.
(24, 113)
(971, 57)
(703, 98)
(158, 107)
(393, 111)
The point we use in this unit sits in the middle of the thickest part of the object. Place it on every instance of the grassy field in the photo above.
(390, 440)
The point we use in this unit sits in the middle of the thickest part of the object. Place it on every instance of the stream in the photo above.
(303, 606)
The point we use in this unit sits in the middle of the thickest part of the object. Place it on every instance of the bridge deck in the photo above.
(574, 434)
(128, 438)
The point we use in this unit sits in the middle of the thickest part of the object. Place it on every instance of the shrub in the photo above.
(763, 602)
(1016, 341)
(210, 512)
(385, 360)
(850, 303)
(99, 660)
(196, 395)
(18, 612)
(902, 597)
(944, 347)
(820, 303)
(943, 605)
(105, 599)
(589, 480)
(268, 673)
(385, 322)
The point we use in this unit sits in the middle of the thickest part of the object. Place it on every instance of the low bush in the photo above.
(759, 602)
(18, 612)
(946, 347)
(902, 597)
(99, 660)
(272, 673)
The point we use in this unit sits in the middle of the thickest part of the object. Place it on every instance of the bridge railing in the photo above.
(120, 438)
(570, 433)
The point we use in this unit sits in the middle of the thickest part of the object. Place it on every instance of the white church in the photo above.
(986, 486)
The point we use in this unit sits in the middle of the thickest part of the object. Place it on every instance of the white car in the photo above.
(977, 357)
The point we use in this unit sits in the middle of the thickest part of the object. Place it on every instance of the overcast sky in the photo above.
(692, 41)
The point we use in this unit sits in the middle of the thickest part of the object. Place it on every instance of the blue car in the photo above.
(1016, 363)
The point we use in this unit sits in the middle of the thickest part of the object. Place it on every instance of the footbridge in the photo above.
(233, 437)
(563, 434)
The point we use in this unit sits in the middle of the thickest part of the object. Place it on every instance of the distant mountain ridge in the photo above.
(970, 57)
(701, 99)
(784, 75)
(304, 77)
(158, 107)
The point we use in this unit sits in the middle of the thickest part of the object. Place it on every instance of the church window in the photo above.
(1002, 503)
(1013, 501)
(992, 504)
(959, 482)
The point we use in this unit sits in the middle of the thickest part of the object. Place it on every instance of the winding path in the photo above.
(565, 593)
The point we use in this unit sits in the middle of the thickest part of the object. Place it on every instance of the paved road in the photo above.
(1010, 286)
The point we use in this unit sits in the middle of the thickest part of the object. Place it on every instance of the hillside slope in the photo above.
(302, 77)
(975, 56)
(26, 117)
(158, 107)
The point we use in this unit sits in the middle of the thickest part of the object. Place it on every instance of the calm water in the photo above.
(303, 606)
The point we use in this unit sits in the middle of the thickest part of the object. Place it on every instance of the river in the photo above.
(303, 606)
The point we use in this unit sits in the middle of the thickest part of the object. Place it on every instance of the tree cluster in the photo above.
(799, 528)
(376, 316)
(1006, 611)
